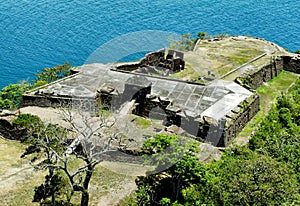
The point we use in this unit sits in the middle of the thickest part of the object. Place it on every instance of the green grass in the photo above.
(142, 122)
(187, 74)
(268, 94)
(18, 189)
(103, 181)
(16, 185)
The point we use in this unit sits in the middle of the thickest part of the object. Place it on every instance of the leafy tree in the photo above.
(45, 142)
(10, 95)
(28, 121)
(177, 169)
(243, 177)
(52, 74)
(202, 35)
(297, 51)
(24, 126)
(55, 185)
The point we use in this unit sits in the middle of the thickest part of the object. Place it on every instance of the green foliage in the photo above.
(177, 169)
(158, 144)
(45, 141)
(202, 35)
(26, 121)
(25, 125)
(39, 83)
(297, 51)
(10, 96)
(142, 122)
(52, 74)
(247, 80)
(185, 43)
(278, 135)
(265, 173)
(243, 177)
(55, 184)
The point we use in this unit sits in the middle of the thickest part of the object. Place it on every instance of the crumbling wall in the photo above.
(173, 61)
(87, 104)
(104, 97)
(153, 58)
(239, 117)
(128, 67)
(267, 72)
(154, 107)
(291, 63)
(218, 133)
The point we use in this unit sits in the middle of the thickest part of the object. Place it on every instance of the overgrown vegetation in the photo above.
(278, 135)
(10, 95)
(268, 94)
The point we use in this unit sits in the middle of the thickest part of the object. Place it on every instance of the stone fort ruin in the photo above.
(214, 112)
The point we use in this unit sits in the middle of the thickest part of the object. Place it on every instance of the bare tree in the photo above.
(87, 139)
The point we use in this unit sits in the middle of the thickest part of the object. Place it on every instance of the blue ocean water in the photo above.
(43, 33)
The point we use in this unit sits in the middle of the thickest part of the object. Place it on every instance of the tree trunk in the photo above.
(51, 174)
(176, 186)
(84, 198)
(84, 193)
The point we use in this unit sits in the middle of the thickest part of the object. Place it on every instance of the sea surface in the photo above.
(43, 33)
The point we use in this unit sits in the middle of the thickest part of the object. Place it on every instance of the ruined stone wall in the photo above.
(291, 63)
(128, 67)
(239, 117)
(153, 58)
(153, 108)
(221, 133)
(218, 133)
(257, 78)
(267, 72)
(174, 61)
(88, 104)
(150, 59)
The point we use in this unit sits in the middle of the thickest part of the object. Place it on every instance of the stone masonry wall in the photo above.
(269, 71)
(291, 63)
(218, 133)
(239, 117)
(58, 102)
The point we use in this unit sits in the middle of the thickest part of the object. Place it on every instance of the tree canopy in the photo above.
(10, 96)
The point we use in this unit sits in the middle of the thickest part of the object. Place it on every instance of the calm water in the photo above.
(36, 34)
